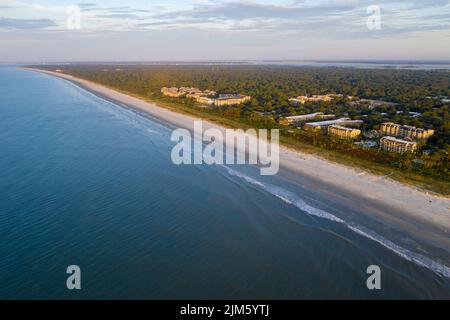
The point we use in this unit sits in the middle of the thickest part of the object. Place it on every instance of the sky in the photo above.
(199, 30)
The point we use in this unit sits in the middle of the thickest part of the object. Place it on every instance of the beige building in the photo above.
(314, 98)
(397, 145)
(371, 104)
(205, 100)
(189, 92)
(316, 126)
(343, 132)
(316, 115)
(195, 95)
(398, 130)
(231, 99)
(172, 92)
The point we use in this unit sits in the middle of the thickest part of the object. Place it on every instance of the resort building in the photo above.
(371, 104)
(397, 130)
(205, 97)
(209, 93)
(195, 95)
(172, 92)
(316, 126)
(231, 99)
(189, 92)
(303, 117)
(314, 98)
(205, 100)
(343, 132)
(397, 145)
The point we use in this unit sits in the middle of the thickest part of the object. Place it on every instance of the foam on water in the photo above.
(134, 118)
(293, 199)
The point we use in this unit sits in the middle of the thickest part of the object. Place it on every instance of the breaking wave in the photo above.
(293, 199)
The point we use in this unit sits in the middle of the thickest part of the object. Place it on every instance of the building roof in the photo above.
(231, 96)
(305, 115)
(342, 128)
(331, 122)
(393, 139)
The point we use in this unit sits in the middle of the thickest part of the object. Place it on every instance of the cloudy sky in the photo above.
(119, 30)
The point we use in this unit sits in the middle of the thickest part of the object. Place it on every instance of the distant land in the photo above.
(362, 64)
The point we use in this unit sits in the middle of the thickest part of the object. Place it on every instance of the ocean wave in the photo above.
(293, 199)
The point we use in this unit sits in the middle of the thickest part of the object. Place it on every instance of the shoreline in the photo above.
(424, 215)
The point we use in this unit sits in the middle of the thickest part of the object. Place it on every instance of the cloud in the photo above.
(86, 5)
(324, 19)
(125, 16)
(249, 10)
(8, 23)
(302, 19)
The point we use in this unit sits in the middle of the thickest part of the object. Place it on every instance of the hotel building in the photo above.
(343, 132)
(189, 92)
(231, 99)
(172, 92)
(316, 115)
(398, 130)
(397, 145)
(316, 126)
(205, 100)
(371, 104)
(314, 98)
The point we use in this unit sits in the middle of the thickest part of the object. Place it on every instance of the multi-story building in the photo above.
(194, 95)
(398, 130)
(231, 99)
(343, 132)
(397, 145)
(303, 117)
(316, 126)
(205, 100)
(189, 92)
(314, 98)
(172, 92)
(371, 104)
(209, 93)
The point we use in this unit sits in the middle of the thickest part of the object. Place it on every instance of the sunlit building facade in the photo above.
(343, 132)
(397, 145)
(397, 130)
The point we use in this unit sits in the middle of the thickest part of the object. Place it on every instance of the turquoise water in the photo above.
(86, 182)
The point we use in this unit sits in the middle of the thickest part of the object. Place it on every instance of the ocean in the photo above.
(86, 182)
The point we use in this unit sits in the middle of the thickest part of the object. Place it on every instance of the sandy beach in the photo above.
(424, 214)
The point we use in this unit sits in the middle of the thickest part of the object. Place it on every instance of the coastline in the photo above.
(425, 215)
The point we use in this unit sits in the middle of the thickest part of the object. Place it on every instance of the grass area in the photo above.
(422, 182)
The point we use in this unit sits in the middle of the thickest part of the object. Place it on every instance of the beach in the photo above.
(424, 215)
